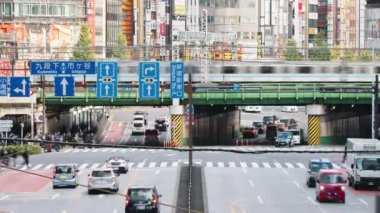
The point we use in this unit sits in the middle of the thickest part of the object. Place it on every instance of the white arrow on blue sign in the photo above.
(149, 80)
(106, 84)
(20, 87)
(64, 86)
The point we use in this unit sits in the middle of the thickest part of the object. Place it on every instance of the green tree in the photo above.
(83, 49)
(291, 53)
(320, 52)
(120, 50)
(349, 56)
(365, 55)
(336, 53)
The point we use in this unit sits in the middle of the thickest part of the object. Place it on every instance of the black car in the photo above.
(161, 124)
(142, 199)
(152, 137)
(314, 166)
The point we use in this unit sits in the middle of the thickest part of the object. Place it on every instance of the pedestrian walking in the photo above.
(25, 155)
(14, 157)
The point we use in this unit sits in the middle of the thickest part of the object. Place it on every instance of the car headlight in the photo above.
(321, 188)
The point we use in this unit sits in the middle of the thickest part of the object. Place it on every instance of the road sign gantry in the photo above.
(107, 82)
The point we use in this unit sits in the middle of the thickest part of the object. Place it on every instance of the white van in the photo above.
(289, 109)
(253, 108)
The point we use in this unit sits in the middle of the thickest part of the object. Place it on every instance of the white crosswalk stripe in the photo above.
(68, 150)
(152, 164)
(130, 164)
(95, 165)
(277, 165)
(140, 165)
(175, 164)
(86, 150)
(208, 164)
(114, 150)
(289, 165)
(255, 165)
(105, 150)
(220, 164)
(300, 165)
(77, 150)
(232, 164)
(243, 164)
(48, 166)
(83, 166)
(266, 165)
(164, 164)
(95, 150)
(37, 167)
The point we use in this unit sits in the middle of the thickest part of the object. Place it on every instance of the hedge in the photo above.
(33, 149)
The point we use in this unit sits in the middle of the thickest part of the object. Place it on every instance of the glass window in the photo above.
(7, 11)
(140, 194)
(43, 10)
(35, 9)
(25, 9)
(101, 173)
(332, 178)
(17, 9)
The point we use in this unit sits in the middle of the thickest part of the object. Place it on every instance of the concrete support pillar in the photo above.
(314, 113)
(176, 128)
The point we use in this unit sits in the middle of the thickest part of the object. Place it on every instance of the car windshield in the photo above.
(257, 124)
(316, 166)
(138, 118)
(285, 121)
(137, 124)
(284, 136)
(63, 169)
(332, 178)
(368, 163)
(140, 194)
(106, 173)
(267, 119)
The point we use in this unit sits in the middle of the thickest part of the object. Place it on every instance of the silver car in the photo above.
(103, 179)
(118, 163)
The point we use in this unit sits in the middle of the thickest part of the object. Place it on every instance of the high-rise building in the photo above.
(372, 25)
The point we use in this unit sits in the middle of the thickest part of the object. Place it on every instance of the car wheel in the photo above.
(54, 187)
(308, 184)
(318, 199)
(344, 200)
(90, 192)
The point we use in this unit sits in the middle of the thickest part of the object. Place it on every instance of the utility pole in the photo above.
(189, 91)
(375, 104)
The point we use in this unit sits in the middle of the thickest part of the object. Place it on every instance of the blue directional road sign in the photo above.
(176, 79)
(3, 86)
(64, 86)
(149, 80)
(106, 84)
(62, 67)
(20, 87)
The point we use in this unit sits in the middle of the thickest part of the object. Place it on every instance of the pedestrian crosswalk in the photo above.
(174, 164)
(238, 148)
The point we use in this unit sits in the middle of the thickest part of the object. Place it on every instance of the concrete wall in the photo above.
(216, 125)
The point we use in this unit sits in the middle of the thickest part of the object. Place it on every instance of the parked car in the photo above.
(271, 119)
(290, 123)
(142, 199)
(253, 109)
(118, 163)
(138, 127)
(161, 123)
(313, 168)
(249, 132)
(152, 137)
(331, 186)
(260, 126)
(289, 109)
(284, 139)
(65, 175)
(102, 179)
(271, 133)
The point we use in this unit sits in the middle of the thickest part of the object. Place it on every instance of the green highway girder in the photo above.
(279, 97)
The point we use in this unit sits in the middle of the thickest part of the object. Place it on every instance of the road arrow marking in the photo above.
(149, 88)
(150, 69)
(107, 88)
(64, 84)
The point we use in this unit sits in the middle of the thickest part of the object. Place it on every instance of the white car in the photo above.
(118, 163)
(296, 136)
(138, 127)
(102, 179)
(289, 109)
(253, 108)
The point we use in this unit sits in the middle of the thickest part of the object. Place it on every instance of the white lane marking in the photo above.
(86, 150)
(77, 150)
(4, 197)
(363, 201)
(141, 164)
(130, 164)
(100, 196)
(133, 150)
(301, 166)
(284, 170)
(260, 199)
(289, 165)
(95, 150)
(48, 166)
(311, 200)
(220, 164)
(23, 167)
(169, 155)
(105, 150)
(266, 165)
(295, 183)
(277, 165)
(157, 172)
(232, 164)
(152, 164)
(164, 164)
(255, 165)
(83, 166)
(55, 196)
(114, 211)
(175, 164)
(95, 165)
(251, 183)
(114, 150)
(209, 164)
(243, 164)
(37, 167)
(67, 150)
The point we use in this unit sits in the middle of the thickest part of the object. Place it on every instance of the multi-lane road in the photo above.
(233, 183)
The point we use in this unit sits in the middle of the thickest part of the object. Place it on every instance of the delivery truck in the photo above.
(363, 168)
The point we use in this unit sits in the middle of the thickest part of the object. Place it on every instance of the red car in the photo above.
(330, 185)
(249, 132)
